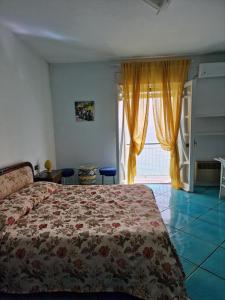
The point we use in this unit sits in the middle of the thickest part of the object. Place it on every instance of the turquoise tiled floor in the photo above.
(196, 225)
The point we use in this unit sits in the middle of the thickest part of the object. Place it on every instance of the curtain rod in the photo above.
(149, 59)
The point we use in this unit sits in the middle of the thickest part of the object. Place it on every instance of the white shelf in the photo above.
(184, 163)
(210, 133)
(186, 97)
(210, 115)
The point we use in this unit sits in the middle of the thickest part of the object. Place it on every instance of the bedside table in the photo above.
(53, 176)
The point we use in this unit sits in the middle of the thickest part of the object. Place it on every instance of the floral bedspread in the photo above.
(91, 239)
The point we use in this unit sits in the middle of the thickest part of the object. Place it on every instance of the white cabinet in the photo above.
(202, 130)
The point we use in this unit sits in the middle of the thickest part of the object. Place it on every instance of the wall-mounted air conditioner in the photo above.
(208, 70)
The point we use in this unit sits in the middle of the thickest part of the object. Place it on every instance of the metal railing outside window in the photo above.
(153, 161)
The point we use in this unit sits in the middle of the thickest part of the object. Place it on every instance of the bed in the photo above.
(85, 239)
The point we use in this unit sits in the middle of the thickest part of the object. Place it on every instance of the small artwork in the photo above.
(84, 110)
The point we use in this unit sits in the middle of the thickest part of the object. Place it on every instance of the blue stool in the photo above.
(67, 173)
(107, 171)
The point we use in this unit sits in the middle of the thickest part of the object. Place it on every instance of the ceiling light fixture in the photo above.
(157, 4)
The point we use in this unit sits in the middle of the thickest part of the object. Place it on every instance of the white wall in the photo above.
(26, 123)
(92, 142)
(84, 142)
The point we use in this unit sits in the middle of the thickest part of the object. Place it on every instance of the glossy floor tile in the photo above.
(160, 188)
(188, 266)
(191, 248)
(220, 207)
(214, 216)
(202, 285)
(166, 200)
(205, 200)
(205, 231)
(171, 230)
(223, 245)
(176, 219)
(216, 263)
(196, 225)
(191, 209)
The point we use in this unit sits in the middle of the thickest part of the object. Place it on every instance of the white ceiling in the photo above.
(91, 30)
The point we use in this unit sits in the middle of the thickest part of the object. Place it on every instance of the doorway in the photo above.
(152, 164)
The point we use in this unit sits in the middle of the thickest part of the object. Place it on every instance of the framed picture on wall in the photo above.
(84, 110)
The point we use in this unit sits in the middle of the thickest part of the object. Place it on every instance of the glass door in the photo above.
(152, 163)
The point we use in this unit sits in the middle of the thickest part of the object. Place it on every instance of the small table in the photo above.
(222, 177)
(53, 176)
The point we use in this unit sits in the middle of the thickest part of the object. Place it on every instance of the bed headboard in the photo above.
(15, 177)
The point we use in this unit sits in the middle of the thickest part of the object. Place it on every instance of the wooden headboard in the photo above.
(14, 167)
(15, 177)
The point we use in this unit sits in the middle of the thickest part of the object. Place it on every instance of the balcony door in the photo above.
(152, 163)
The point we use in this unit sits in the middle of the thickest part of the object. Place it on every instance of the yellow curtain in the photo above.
(167, 78)
(163, 82)
(136, 106)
